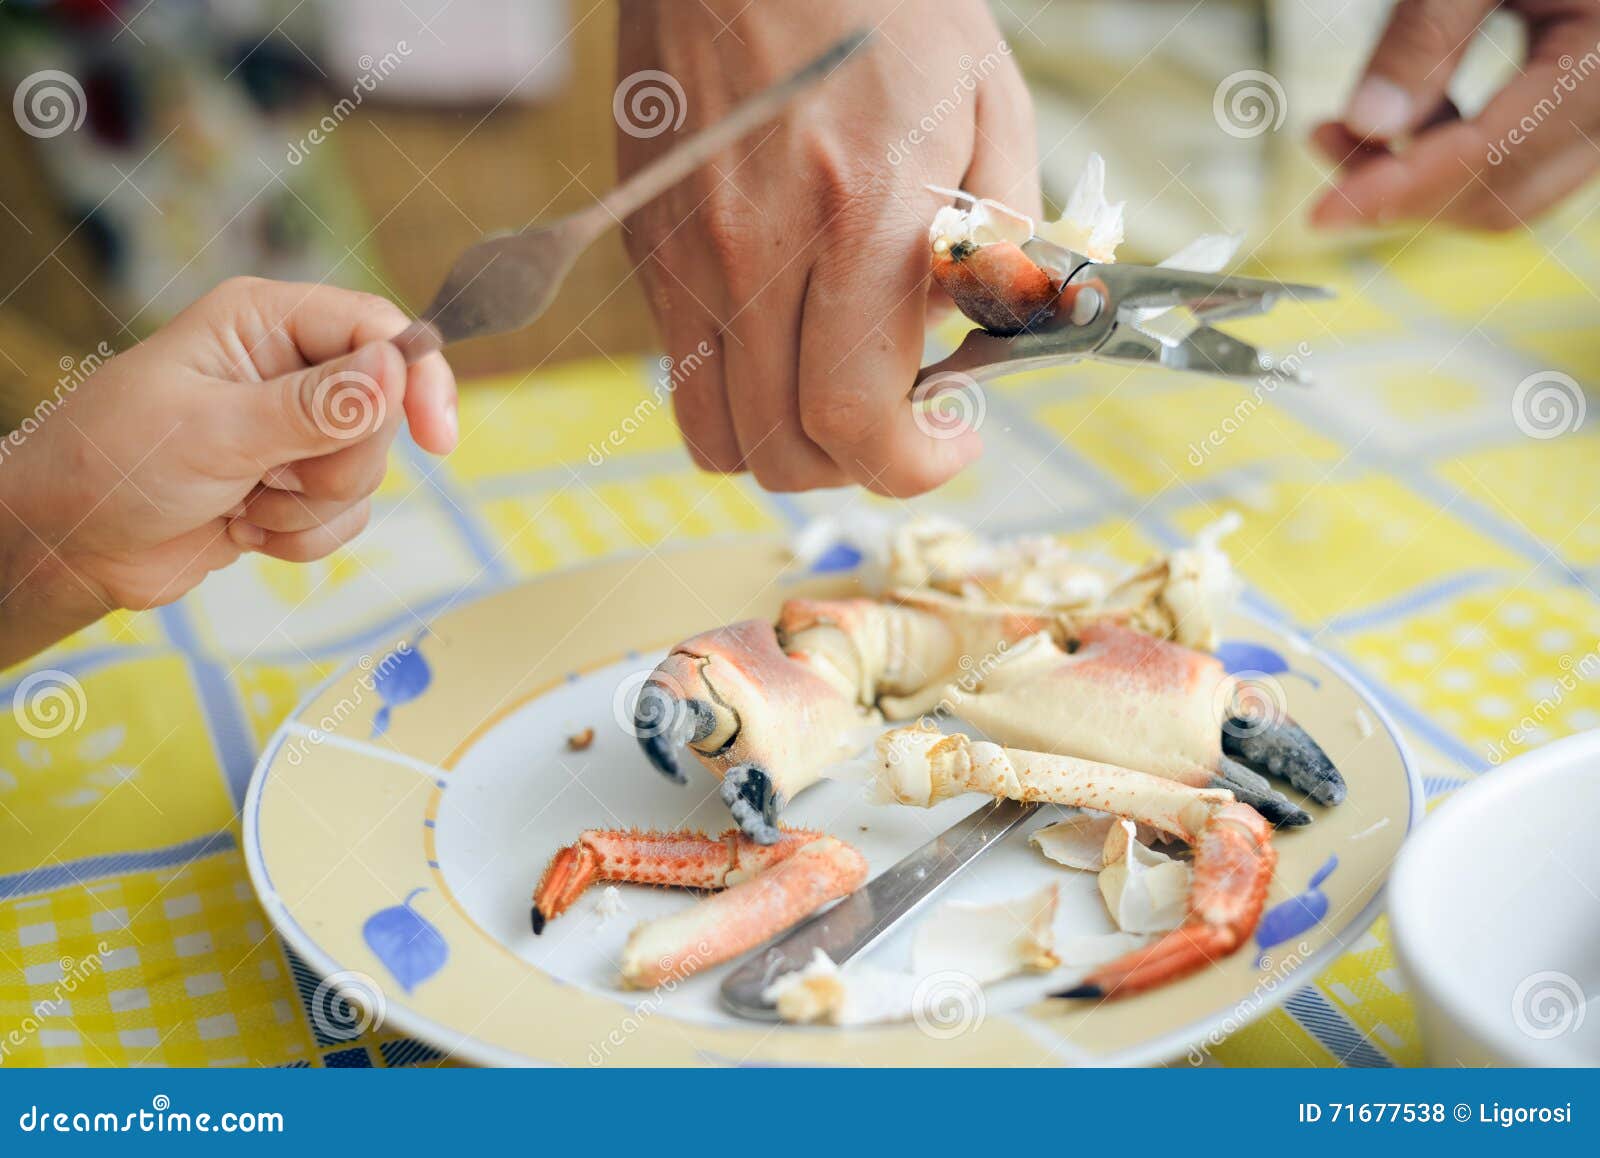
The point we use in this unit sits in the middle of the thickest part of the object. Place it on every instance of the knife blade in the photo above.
(867, 915)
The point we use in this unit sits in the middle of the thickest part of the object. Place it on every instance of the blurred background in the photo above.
(160, 146)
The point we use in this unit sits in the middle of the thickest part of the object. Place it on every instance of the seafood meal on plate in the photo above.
(1090, 689)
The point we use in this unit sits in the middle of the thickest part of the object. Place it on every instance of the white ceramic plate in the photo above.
(397, 823)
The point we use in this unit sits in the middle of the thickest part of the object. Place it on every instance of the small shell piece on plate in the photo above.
(1079, 842)
(1146, 891)
(989, 942)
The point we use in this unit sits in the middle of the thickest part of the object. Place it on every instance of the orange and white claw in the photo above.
(1233, 864)
(754, 910)
(684, 859)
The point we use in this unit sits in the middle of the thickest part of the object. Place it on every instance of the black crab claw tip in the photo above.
(663, 724)
(1081, 992)
(1284, 749)
(1252, 788)
(538, 921)
(747, 791)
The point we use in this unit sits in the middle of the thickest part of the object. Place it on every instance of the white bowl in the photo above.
(1495, 908)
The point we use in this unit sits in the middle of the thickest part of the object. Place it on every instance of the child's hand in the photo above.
(1406, 154)
(259, 419)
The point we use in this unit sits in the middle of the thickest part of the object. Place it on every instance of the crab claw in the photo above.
(1233, 854)
(751, 714)
(1252, 788)
(747, 791)
(665, 719)
(1284, 749)
(686, 859)
(1233, 863)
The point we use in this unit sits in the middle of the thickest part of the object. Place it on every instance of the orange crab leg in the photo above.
(686, 859)
(759, 907)
(1233, 863)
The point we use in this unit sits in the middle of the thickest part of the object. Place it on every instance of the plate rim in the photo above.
(1154, 1051)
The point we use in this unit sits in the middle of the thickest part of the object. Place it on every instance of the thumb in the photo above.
(325, 408)
(1412, 65)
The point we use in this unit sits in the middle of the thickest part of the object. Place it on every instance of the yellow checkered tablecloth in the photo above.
(1401, 514)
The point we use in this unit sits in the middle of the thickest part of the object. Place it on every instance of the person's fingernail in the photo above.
(452, 427)
(1379, 108)
(283, 478)
(246, 535)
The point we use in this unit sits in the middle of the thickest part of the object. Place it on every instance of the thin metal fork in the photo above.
(504, 283)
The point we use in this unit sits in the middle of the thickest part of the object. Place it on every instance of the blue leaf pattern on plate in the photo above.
(400, 677)
(839, 557)
(1238, 655)
(1290, 918)
(408, 945)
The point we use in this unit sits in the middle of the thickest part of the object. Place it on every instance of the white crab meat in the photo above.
(961, 946)
(824, 994)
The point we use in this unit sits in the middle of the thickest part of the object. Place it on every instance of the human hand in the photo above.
(259, 419)
(800, 258)
(1406, 154)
